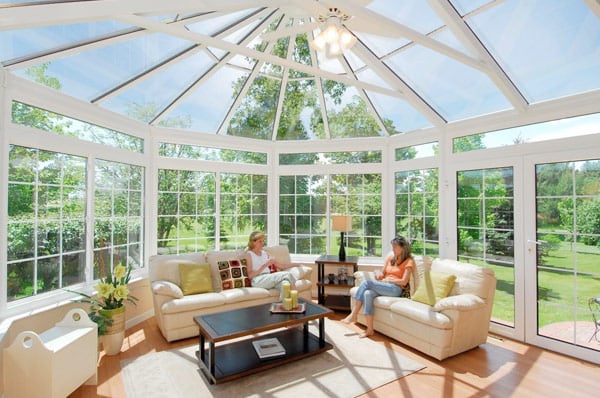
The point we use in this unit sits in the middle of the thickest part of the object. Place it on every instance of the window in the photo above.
(305, 212)
(211, 154)
(486, 230)
(186, 211)
(243, 208)
(46, 221)
(42, 119)
(118, 216)
(417, 206)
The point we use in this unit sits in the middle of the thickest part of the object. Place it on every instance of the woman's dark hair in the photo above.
(405, 245)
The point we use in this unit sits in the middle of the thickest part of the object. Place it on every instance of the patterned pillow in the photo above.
(233, 274)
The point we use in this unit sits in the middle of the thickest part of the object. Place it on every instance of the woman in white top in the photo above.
(264, 271)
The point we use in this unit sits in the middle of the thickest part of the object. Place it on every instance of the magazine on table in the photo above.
(268, 348)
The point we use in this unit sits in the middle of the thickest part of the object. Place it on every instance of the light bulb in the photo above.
(347, 39)
(319, 42)
(331, 34)
(334, 49)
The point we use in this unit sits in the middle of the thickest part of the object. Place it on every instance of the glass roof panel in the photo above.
(416, 14)
(214, 25)
(144, 100)
(242, 62)
(256, 114)
(90, 73)
(368, 75)
(455, 90)
(238, 35)
(25, 42)
(381, 46)
(465, 7)
(347, 112)
(446, 36)
(567, 63)
(301, 116)
(397, 114)
(207, 106)
(354, 60)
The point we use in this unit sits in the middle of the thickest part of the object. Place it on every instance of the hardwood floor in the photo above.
(499, 368)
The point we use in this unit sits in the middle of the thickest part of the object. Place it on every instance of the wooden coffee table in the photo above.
(231, 360)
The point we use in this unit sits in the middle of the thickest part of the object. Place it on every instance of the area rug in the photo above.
(353, 367)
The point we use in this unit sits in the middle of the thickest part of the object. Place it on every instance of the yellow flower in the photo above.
(121, 292)
(104, 289)
(119, 271)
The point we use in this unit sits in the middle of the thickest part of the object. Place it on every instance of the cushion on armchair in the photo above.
(461, 302)
(434, 286)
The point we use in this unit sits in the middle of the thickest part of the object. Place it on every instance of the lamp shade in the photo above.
(342, 223)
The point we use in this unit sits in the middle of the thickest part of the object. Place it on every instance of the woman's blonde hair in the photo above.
(254, 236)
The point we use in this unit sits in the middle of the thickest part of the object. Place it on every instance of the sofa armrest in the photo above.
(300, 271)
(360, 276)
(459, 302)
(166, 288)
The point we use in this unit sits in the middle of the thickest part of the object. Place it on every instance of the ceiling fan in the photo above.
(323, 18)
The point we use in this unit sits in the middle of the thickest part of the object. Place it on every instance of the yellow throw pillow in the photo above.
(434, 286)
(195, 278)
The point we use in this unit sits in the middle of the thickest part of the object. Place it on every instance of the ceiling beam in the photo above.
(249, 52)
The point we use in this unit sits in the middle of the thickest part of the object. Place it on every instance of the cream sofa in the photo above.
(453, 325)
(175, 311)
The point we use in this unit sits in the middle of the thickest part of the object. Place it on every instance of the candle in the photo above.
(294, 296)
(285, 286)
(287, 303)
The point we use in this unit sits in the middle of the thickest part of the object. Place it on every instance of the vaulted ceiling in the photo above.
(248, 68)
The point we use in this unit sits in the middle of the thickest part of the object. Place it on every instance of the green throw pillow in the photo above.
(434, 286)
(195, 278)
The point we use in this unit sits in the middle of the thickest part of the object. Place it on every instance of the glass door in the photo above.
(563, 254)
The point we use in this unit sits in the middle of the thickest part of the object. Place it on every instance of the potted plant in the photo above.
(107, 307)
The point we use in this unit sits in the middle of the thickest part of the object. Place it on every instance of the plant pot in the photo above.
(112, 340)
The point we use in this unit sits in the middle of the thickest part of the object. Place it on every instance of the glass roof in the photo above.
(247, 68)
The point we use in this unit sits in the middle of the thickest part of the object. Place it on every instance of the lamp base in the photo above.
(342, 253)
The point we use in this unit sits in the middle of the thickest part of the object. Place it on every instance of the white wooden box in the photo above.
(54, 363)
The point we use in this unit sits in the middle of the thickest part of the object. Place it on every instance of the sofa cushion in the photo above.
(434, 286)
(419, 312)
(193, 302)
(195, 278)
(232, 296)
(280, 253)
(166, 288)
(234, 274)
(214, 257)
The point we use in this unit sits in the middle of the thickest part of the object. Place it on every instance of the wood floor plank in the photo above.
(499, 368)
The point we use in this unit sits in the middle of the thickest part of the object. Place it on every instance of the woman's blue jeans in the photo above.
(369, 289)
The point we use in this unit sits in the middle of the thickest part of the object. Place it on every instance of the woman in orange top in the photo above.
(391, 282)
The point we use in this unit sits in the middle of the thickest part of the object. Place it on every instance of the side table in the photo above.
(340, 301)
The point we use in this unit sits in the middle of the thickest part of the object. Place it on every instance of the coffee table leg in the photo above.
(321, 332)
(211, 359)
(201, 348)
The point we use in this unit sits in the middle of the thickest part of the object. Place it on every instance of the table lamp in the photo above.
(342, 224)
